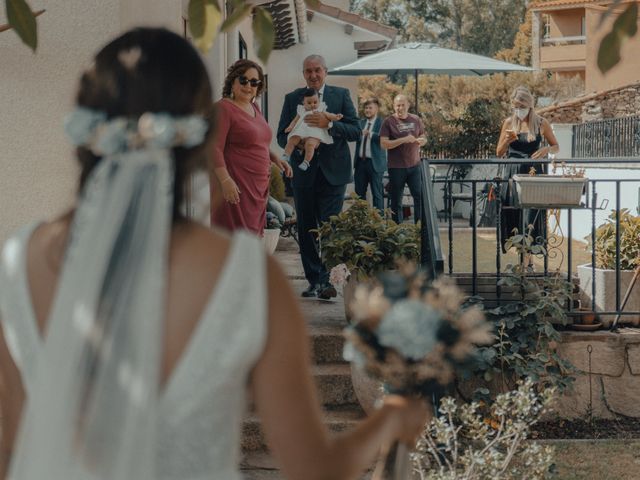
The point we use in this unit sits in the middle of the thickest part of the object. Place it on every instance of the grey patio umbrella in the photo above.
(428, 58)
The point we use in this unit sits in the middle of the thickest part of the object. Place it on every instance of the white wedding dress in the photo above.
(201, 407)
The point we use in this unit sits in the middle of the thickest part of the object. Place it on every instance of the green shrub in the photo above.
(605, 245)
(366, 242)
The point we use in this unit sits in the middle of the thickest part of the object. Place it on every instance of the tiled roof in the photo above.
(560, 4)
(353, 19)
(289, 20)
(585, 98)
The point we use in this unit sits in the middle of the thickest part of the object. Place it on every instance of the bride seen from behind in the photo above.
(131, 335)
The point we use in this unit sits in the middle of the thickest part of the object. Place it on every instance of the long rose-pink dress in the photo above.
(242, 146)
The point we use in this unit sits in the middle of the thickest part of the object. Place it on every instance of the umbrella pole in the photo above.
(416, 92)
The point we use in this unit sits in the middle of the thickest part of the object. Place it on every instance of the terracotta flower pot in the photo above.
(587, 317)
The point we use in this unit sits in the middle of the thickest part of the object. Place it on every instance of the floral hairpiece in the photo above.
(103, 136)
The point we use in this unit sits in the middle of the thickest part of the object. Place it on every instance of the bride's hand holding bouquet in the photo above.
(413, 337)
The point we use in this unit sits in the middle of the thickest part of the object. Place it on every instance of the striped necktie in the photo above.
(365, 139)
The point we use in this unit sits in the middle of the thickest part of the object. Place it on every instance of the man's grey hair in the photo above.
(316, 58)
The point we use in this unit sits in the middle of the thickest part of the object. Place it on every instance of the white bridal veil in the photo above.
(92, 414)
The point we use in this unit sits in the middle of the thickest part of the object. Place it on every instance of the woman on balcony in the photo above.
(521, 136)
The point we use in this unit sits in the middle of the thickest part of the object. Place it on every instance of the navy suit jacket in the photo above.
(334, 160)
(378, 155)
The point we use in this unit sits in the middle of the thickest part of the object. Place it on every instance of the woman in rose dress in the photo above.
(242, 159)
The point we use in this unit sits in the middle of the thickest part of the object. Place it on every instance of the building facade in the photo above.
(565, 38)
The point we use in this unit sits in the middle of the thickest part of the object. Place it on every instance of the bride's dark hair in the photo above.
(149, 70)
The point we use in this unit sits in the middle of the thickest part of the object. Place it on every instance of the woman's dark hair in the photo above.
(309, 92)
(240, 68)
(149, 70)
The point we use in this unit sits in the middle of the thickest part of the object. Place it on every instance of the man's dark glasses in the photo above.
(254, 82)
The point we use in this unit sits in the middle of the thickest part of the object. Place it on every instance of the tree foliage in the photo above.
(486, 27)
(520, 52)
(478, 26)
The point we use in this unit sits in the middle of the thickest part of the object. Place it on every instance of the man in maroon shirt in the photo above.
(402, 135)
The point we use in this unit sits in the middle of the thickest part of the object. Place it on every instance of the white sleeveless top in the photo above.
(203, 401)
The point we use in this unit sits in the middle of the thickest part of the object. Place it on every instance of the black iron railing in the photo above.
(616, 137)
(478, 190)
(431, 256)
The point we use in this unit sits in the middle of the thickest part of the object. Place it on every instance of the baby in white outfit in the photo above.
(299, 131)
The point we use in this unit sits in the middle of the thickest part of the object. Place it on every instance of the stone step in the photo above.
(336, 420)
(327, 343)
(333, 381)
(261, 466)
(260, 474)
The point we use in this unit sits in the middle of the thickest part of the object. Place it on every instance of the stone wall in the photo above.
(619, 102)
(608, 374)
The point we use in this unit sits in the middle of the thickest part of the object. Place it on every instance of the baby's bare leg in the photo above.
(292, 142)
(310, 145)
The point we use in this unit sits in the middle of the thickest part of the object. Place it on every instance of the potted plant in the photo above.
(564, 190)
(604, 273)
(366, 243)
(271, 233)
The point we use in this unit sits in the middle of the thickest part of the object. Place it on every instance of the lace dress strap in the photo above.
(16, 311)
(235, 312)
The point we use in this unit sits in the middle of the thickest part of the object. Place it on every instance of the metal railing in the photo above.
(477, 187)
(568, 40)
(431, 256)
(616, 137)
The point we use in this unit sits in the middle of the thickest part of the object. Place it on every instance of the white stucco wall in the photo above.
(564, 135)
(37, 168)
(38, 173)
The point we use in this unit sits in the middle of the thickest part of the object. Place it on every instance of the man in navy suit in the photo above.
(319, 191)
(370, 158)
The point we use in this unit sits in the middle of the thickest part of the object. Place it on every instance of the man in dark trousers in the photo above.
(402, 135)
(319, 191)
(370, 159)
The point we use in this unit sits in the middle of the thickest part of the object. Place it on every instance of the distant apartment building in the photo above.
(566, 35)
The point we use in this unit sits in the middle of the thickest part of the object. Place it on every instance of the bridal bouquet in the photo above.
(413, 337)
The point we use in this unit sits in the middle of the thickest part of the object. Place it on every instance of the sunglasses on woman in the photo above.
(254, 82)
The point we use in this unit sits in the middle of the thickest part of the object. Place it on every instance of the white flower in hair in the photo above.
(129, 58)
(157, 129)
(91, 129)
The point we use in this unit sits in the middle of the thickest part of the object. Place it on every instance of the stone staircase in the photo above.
(325, 320)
